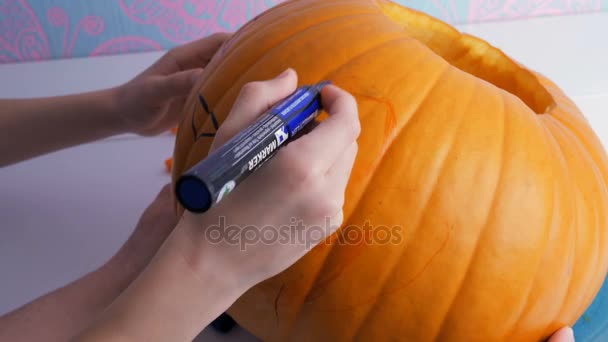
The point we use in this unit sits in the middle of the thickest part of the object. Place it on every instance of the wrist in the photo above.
(123, 267)
(207, 260)
(176, 293)
(112, 99)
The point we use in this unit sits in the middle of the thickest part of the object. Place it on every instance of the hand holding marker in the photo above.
(209, 181)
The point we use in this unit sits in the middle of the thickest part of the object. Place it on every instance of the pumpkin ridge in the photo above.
(573, 224)
(398, 36)
(323, 264)
(433, 189)
(246, 36)
(436, 82)
(484, 227)
(586, 149)
(553, 145)
(313, 283)
(597, 223)
(582, 149)
(365, 52)
(221, 102)
(593, 165)
(526, 300)
(225, 58)
(282, 43)
(243, 40)
(385, 150)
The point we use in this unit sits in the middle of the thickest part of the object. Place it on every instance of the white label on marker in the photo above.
(226, 189)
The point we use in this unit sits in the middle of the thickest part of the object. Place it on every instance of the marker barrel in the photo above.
(209, 181)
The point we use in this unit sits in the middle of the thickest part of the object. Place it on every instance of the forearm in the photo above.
(177, 295)
(32, 127)
(63, 313)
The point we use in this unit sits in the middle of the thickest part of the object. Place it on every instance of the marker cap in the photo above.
(193, 194)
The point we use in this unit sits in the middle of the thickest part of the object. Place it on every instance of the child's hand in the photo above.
(297, 197)
(152, 102)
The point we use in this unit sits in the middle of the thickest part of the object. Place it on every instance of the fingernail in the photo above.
(196, 75)
(284, 73)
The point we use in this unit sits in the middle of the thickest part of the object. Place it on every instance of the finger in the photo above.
(173, 116)
(337, 177)
(339, 174)
(256, 98)
(165, 195)
(332, 136)
(315, 236)
(564, 335)
(161, 206)
(178, 84)
(196, 54)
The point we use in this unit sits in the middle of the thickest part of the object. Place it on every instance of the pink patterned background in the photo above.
(43, 29)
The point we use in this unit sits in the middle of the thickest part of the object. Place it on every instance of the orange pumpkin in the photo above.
(493, 177)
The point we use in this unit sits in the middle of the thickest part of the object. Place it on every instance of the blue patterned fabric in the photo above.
(45, 29)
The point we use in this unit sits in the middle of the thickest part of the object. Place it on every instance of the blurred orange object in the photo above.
(169, 164)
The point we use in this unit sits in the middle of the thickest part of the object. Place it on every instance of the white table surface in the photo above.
(66, 213)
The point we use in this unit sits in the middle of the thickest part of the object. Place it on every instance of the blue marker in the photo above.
(209, 181)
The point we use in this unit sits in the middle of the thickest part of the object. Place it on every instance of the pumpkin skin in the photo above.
(493, 175)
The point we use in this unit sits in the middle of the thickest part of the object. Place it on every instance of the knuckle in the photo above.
(315, 172)
(171, 58)
(297, 169)
(325, 207)
(338, 220)
(350, 100)
(311, 177)
(174, 82)
(252, 90)
(295, 159)
(355, 149)
(148, 89)
(172, 52)
(354, 129)
(334, 206)
(354, 125)
(219, 36)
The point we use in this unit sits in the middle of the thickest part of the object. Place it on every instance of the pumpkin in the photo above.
(487, 179)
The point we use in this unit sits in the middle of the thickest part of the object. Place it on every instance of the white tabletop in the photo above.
(66, 213)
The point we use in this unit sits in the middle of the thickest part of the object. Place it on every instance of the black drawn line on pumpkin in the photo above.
(216, 125)
(276, 302)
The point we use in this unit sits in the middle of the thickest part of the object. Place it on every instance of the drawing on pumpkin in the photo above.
(276, 302)
(210, 113)
(391, 117)
(321, 284)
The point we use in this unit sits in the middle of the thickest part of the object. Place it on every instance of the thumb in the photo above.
(563, 335)
(254, 99)
(177, 84)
